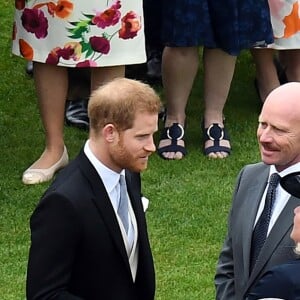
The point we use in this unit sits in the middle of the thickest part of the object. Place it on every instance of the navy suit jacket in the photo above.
(77, 250)
(282, 281)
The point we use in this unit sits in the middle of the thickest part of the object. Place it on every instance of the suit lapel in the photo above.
(251, 210)
(104, 206)
(145, 264)
(136, 203)
(252, 200)
(281, 227)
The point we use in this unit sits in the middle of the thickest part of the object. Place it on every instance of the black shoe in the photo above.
(137, 71)
(162, 114)
(29, 68)
(76, 114)
(154, 65)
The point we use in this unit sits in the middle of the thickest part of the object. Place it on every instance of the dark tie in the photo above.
(260, 231)
(123, 203)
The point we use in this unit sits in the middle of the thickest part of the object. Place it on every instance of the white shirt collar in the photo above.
(282, 196)
(291, 169)
(109, 177)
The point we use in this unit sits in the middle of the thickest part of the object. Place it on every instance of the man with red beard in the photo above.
(261, 216)
(88, 235)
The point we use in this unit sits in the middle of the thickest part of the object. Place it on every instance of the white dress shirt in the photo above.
(110, 180)
(282, 196)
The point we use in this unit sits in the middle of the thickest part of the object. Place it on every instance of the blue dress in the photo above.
(231, 25)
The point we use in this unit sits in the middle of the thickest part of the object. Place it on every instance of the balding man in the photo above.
(261, 216)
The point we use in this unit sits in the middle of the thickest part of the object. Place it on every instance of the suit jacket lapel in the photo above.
(104, 205)
(137, 206)
(279, 230)
(135, 197)
(253, 197)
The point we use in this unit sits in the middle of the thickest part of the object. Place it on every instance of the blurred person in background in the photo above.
(224, 29)
(280, 62)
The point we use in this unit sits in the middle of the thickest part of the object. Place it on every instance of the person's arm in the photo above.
(273, 284)
(55, 231)
(224, 278)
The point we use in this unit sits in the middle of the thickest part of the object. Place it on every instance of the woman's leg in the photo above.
(266, 73)
(218, 72)
(179, 69)
(101, 75)
(51, 84)
(290, 60)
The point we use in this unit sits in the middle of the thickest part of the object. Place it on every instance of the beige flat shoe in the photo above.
(34, 176)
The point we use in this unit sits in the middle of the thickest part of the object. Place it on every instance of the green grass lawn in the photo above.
(189, 199)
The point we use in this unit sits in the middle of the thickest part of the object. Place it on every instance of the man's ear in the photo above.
(110, 133)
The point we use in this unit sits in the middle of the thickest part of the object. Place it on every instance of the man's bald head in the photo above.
(285, 98)
(279, 127)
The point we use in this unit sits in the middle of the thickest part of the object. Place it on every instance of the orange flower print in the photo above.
(62, 9)
(130, 26)
(292, 22)
(25, 49)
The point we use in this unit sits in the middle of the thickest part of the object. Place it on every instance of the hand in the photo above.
(295, 234)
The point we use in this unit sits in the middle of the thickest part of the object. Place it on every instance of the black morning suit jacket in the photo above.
(282, 282)
(77, 250)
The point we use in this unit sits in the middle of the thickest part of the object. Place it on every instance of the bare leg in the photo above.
(179, 68)
(51, 85)
(291, 62)
(266, 74)
(101, 75)
(218, 72)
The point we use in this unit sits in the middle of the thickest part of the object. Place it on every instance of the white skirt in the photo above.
(80, 33)
(285, 15)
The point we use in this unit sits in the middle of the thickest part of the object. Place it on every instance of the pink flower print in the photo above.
(34, 21)
(19, 4)
(53, 57)
(100, 44)
(77, 49)
(130, 26)
(109, 17)
(86, 64)
(66, 52)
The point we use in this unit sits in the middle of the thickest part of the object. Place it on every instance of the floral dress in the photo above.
(79, 33)
(285, 18)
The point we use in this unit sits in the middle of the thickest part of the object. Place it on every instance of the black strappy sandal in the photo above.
(215, 133)
(173, 133)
